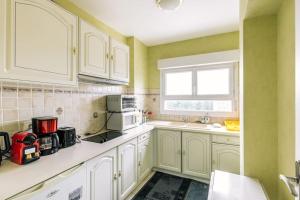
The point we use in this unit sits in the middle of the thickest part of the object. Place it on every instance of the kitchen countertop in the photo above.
(227, 186)
(194, 127)
(17, 178)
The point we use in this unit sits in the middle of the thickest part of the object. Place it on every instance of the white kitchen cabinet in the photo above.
(196, 154)
(94, 51)
(119, 61)
(226, 158)
(3, 16)
(169, 150)
(127, 168)
(145, 158)
(102, 176)
(41, 41)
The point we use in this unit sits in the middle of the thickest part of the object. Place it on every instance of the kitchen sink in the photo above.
(170, 123)
(198, 126)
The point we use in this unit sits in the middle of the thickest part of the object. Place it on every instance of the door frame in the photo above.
(297, 80)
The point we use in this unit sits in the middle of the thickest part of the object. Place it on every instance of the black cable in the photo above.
(88, 133)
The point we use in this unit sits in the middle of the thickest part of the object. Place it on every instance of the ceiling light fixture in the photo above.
(169, 5)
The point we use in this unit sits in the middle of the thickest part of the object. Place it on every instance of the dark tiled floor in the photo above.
(167, 187)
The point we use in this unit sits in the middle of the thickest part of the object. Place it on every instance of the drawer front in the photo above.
(226, 139)
(144, 137)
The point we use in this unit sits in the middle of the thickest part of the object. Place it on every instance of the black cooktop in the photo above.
(104, 137)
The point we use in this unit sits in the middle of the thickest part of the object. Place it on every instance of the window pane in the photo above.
(213, 82)
(199, 105)
(178, 83)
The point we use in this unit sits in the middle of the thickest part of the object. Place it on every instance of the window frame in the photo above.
(233, 90)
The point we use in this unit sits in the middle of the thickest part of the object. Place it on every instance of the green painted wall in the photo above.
(141, 65)
(68, 5)
(286, 93)
(221, 42)
(260, 101)
(138, 64)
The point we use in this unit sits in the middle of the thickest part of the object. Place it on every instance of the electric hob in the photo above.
(104, 137)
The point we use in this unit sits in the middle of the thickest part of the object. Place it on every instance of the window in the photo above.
(199, 90)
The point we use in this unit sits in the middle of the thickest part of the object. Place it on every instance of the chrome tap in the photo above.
(204, 119)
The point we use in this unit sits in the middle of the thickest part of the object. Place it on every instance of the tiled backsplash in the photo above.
(81, 107)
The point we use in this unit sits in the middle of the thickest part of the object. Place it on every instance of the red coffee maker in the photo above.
(25, 148)
(45, 128)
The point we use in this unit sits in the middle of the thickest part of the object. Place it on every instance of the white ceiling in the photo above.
(153, 26)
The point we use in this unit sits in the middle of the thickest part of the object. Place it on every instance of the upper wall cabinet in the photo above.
(102, 57)
(119, 66)
(40, 42)
(94, 51)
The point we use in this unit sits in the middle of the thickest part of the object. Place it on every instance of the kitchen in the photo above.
(119, 105)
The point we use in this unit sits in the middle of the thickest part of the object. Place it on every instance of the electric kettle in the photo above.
(6, 143)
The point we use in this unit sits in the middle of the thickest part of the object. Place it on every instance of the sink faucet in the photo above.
(204, 119)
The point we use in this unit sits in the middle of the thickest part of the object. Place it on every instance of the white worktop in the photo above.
(17, 178)
(194, 127)
(227, 186)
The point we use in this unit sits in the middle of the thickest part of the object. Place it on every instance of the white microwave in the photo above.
(121, 103)
(122, 121)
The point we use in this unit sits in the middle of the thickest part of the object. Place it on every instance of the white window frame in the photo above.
(233, 93)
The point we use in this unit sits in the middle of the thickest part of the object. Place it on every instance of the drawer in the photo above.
(143, 137)
(226, 139)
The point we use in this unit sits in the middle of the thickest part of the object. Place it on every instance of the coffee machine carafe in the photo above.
(6, 141)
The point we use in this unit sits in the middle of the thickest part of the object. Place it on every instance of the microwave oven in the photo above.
(122, 121)
(121, 103)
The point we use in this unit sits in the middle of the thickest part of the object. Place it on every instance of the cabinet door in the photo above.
(226, 158)
(127, 166)
(196, 154)
(94, 51)
(169, 150)
(102, 176)
(119, 65)
(42, 41)
(3, 38)
(145, 158)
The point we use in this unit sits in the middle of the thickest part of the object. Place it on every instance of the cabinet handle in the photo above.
(107, 56)
(52, 193)
(112, 57)
(120, 174)
(74, 51)
(115, 176)
(140, 163)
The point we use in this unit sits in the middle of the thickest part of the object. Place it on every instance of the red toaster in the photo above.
(25, 148)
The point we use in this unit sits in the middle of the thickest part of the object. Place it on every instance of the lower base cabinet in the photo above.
(145, 158)
(102, 177)
(196, 154)
(226, 158)
(169, 150)
(127, 168)
(113, 175)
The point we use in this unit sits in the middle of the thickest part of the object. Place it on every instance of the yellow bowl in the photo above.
(232, 125)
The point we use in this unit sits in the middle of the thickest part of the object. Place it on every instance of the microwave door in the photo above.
(129, 121)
